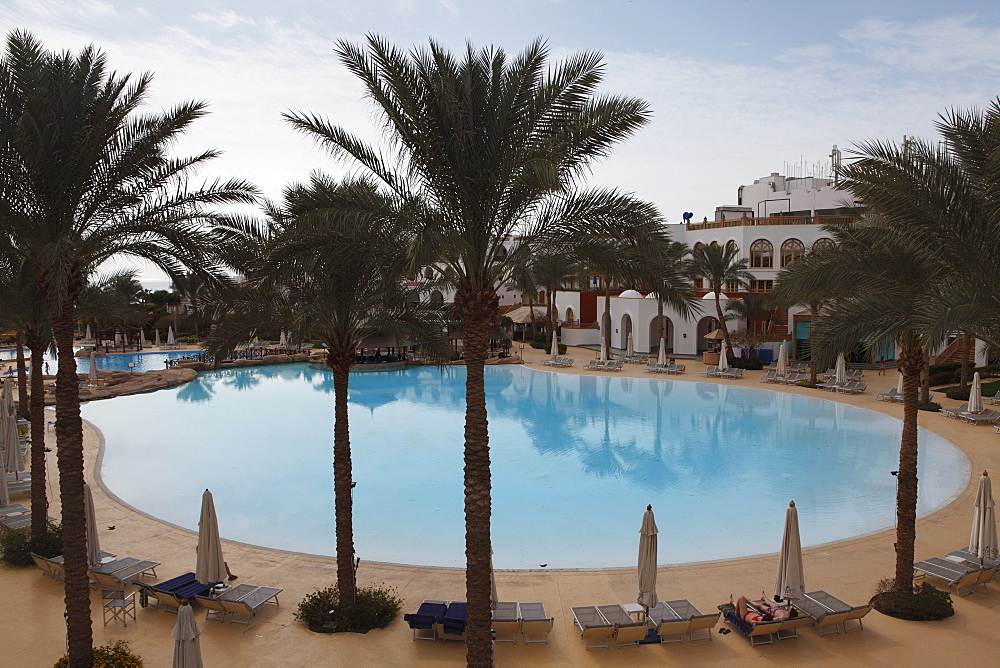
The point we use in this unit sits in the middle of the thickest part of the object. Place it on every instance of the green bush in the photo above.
(932, 406)
(16, 546)
(117, 654)
(927, 603)
(543, 346)
(943, 378)
(374, 607)
(945, 366)
(748, 363)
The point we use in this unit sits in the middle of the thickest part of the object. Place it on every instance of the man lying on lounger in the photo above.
(760, 611)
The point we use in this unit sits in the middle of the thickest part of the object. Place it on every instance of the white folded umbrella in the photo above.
(789, 581)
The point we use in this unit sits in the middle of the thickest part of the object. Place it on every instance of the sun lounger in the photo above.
(675, 369)
(759, 633)
(566, 361)
(22, 521)
(534, 622)
(826, 619)
(593, 626)
(964, 555)
(47, 566)
(244, 599)
(995, 399)
(792, 379)
(214, 609)
(853, 387)
(701, 625)
(710, 371)
(954, 412)
(116, 574)
(891, 395)
(505, 621)
(452, 624)
(593, 365)
(667, 624)
(425, 620)
(844, 613)
(628, 632)
(770, 376)
(169, 593)
(732, 374)
(616, 365)
(964, 580)
(987, 416)
(652, 367)
(13, 509)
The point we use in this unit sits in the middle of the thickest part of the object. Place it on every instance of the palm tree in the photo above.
(477, 144)
(24, 311)
(333, 268)
(719, 266)
(752, 308)
(86, 179)
(551, 271)
(666, 275)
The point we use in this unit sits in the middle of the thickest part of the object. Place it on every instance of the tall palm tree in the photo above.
(85, 179)
(550, 271)
(665, 274)
(477, 144)
(719, 266)
(752, 308)
(24, 311)
(335, 269)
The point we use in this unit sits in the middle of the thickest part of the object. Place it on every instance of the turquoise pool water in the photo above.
(575, 461)
(143, 361)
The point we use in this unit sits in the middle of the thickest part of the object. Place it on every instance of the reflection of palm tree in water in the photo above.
(198, 390)
(242, 379)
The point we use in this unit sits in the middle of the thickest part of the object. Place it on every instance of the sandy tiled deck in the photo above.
(33, 629)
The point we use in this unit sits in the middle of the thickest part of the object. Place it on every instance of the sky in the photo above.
(738, 89)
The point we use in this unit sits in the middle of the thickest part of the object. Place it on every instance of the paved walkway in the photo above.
(33, 630)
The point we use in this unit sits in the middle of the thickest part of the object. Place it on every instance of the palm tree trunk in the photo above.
(925, 378)
(22, 377)
(722, 324)
(813, 370)
(39, 502)
(341, 362)
(550, 320)
(69, 448)
(606, 318)
(477, 311)
(964, 378)
(911, 362)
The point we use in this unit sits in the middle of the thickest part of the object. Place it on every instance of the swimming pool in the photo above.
(143, 361)
(575, 461)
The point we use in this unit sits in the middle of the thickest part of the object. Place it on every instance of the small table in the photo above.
(635, 611)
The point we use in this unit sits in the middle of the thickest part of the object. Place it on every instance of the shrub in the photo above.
(945, 366)
(117, 654)
(927, 603)
(932, 406)
(943, 378)
(808, 383)
(374, 607)
(958, 393)
(543, 346)
(16, 546)
(748, 363)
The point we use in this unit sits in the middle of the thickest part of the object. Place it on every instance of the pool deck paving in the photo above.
(33, 629)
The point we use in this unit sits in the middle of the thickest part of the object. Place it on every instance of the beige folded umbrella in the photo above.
(156, 339)
(841, 370)
(13, 461)
(629, 350)
(782, 365)
(93, 540)
(789, 582)
(661, 357)
(555, 345)
(92, 371)
(211, 567)
(976, 394)
(187, 644)
(983, 541)
(647, 560)
(723, 358)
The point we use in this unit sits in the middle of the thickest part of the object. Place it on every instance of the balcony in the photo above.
(772, 220)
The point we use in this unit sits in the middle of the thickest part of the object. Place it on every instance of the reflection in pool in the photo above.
(575, 461)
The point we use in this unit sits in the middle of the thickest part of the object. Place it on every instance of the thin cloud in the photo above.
(224, 19)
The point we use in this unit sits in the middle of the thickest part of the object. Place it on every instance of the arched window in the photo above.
(792, 251)
(437, 299)
(429, 274)
(569, 315)
(762, 254)
(732, 247)
(698, 245)
(822, 244)
(501, 254)
(541, 296)
(714, 243)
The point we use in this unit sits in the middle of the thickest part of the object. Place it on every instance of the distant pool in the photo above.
(575, 461)
(143, 361)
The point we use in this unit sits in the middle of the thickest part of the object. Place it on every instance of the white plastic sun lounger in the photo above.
(628, 632)
(535, 624)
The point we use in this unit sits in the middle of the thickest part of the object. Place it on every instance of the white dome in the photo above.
(651, 295)
(711, 295)
(631, 294)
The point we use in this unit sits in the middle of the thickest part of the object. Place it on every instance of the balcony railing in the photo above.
(773, 220)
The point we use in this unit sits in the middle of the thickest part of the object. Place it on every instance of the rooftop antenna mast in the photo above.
(835, 164)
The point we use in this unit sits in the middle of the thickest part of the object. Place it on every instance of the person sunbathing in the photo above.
(760, 611)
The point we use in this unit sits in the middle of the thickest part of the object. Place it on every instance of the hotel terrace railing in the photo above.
(772, 220)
